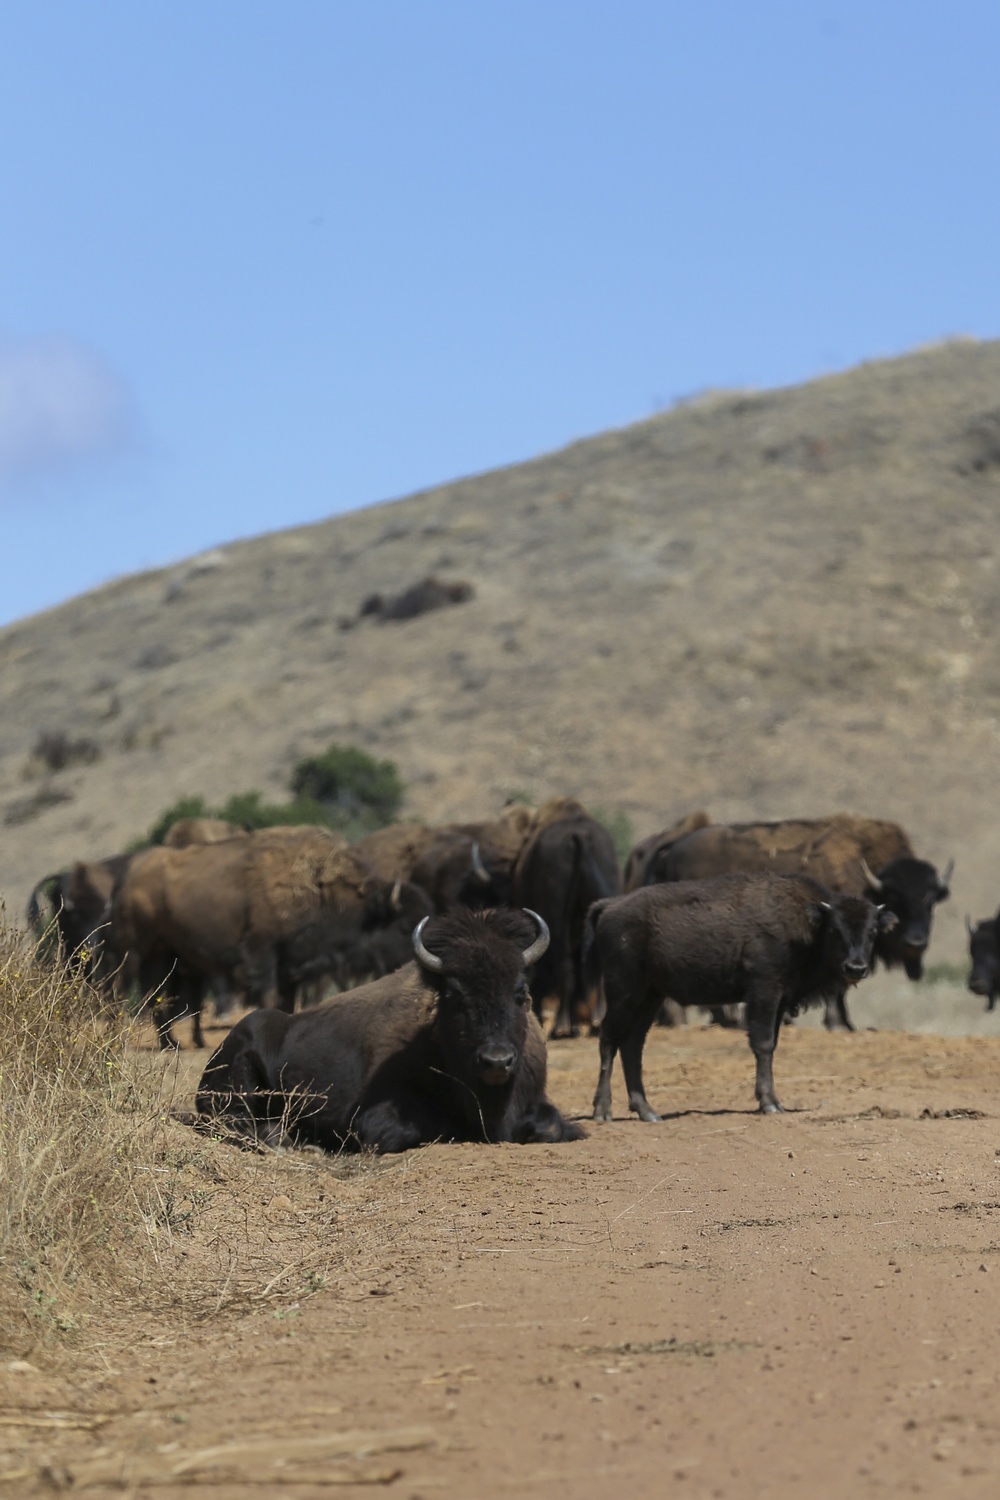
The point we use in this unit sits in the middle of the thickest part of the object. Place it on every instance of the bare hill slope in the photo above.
(767, 604)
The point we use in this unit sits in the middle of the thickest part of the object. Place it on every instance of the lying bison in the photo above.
(774, 942)
(445, 1049)
(856, 856)
(984, 950)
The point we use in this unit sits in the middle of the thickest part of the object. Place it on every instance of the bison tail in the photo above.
(590, 955)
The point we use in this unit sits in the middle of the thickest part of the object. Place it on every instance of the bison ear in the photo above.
(887, 920)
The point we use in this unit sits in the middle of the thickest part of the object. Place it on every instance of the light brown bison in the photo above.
(188, 831)
(263, 913)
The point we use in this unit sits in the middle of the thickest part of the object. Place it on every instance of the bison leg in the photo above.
(763, 1026)
(602, 1096)
(400, 1123)
(835, 1016)
(631, 1050)
(546, 1125)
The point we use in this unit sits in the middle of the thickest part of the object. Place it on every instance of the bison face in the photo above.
(985, 954)
(852, 927)
(910, 888)
(477, 963)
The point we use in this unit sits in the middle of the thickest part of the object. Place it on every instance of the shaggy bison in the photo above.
(774, 942)
(445, 1049)
(856, 856)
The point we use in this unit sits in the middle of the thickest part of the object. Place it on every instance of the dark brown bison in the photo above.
(568, 861)
(984, 951)
(856, 856)
(643, 866)
(773, 942)
(264, 914)
(78, 903)
(445, 1049)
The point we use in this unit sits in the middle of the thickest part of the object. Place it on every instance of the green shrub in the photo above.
(249, 810)
(351, 785)
(342, 788)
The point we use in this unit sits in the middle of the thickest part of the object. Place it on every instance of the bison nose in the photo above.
(977, 985)
(916, 939)
(496, 1064)
(853, 972)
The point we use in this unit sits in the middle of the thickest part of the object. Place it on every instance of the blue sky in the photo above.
(264, 262)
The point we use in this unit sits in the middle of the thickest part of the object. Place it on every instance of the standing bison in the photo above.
(445, 1049)
(79, 905)
(774, 942)
(856, 856)
(984, 950)
(568, 862)
(265, 913)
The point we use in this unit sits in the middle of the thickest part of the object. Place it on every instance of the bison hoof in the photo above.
(602, 1113)
(645, 1112)
(771, 1107)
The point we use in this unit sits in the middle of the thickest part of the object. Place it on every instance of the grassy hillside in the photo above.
(766, 604)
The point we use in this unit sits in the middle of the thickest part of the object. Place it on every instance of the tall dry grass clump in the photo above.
(72, 1118)
(110, 1208)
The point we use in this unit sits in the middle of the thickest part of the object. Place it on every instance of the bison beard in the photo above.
(773, 941)
(445, 1049)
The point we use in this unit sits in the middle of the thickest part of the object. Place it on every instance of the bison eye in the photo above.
(455, 990)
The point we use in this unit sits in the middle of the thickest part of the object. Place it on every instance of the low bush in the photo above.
(342, 788)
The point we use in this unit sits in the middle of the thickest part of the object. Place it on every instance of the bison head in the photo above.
(911, 888)
(852, 926)
(984, 950)
(477, 962)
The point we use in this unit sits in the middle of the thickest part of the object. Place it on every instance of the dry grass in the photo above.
(108, 1206)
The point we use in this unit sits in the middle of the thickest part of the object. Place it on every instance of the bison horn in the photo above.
(538, 947)
(429, 960)
(947, 874)
(394, 895)
(968, 924)
(478, 868)
(871, 878)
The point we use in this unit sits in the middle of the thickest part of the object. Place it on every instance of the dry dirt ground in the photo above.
(717, 1306)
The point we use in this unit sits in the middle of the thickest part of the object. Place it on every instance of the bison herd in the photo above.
(444, 943)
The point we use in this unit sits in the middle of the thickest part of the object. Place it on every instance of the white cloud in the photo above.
(60, 404)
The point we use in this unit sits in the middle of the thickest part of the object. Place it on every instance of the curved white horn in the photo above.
(394, 895)
(429, 960)
(538, 947)
(870, 877)
(946, 877)
(478, 868)
(968, 924)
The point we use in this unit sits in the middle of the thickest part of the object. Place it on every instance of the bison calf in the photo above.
(444, 1049)
(774, 942)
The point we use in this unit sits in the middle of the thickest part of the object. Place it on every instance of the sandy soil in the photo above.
(717, 1306)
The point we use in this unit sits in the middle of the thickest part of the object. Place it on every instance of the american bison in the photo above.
(984, 950)
(568, 861)
(856, 856)
(79, 905)
(774, 942)
(264, 913)
(444, 1049)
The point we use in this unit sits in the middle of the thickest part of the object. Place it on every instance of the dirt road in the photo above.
(717, 1306)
